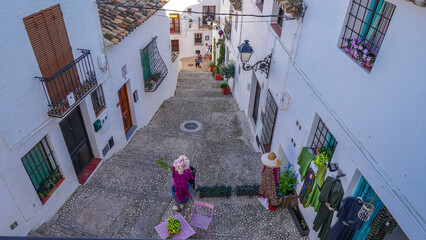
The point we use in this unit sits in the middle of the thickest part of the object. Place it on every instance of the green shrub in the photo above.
(212, 64)
(214, 72)
(228, 71)
(287, 183)
(221, 57)
(224, 85)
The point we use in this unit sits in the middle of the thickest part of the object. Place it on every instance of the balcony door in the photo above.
(49, 39)
(76, 139)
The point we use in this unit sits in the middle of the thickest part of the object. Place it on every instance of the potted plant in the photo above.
(287, 187)
(323, 157)
(299, 220)
(359, 52)
(149, 85)
(212, 66)
(228, 71)
(225, 88)
(216, 73)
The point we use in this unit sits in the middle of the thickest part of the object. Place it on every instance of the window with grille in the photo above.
(198, 38)
(323, 137)
(174, 23)
(154, 69)
(98, 100)
(42, 169)
(269, 117)
(366, 24)
(208, 11)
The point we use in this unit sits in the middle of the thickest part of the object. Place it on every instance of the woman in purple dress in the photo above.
(181, 175)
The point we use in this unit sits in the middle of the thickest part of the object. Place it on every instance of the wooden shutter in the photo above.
(49, 39)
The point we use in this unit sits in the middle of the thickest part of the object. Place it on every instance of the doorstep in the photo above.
(89, 170)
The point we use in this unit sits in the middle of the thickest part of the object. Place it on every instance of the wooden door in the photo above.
(125, 108)
(76, 139)
(175, 45)
(256, 102)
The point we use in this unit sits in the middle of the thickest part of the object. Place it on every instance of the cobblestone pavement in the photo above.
(129, 194)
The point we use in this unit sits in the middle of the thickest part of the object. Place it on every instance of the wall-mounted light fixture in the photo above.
(246, 51)
(190, 23)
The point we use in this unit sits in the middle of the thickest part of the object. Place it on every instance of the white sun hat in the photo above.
(271, 160)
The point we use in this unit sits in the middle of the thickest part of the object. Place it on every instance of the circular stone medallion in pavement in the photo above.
(191, 126)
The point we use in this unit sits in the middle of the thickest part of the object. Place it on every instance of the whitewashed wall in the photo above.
(23, 119)
(187, 47)
(376, 118)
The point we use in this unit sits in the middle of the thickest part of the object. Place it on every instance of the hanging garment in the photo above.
(180, 181)
(268, 185)
(307, 187)
(383, 223)
(367, 193)
(314, 195)
(348, 221)
(332, 193)
(304, 160)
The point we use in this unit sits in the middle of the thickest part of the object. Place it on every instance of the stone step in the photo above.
(35, 234)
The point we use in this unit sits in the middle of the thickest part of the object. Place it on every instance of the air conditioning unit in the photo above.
(102, 61)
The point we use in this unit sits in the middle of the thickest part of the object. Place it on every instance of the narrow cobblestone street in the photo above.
(129, 194)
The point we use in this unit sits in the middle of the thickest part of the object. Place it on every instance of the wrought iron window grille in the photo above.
(41, 168)
(323, 137)
(268, 118)
(98, 100)
(66, 88)
(153, 67)
(367, 22)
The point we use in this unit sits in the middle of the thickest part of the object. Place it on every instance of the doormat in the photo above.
(89, 170)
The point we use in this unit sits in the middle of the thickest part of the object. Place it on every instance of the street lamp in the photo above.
(245, 53)
(190, 22)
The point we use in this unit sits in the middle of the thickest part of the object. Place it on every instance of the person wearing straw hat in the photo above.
(270, 177)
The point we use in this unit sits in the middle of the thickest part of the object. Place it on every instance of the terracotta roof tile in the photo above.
(118, 21)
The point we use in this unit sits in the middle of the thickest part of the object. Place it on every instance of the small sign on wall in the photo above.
(71, 98)
(207, 38)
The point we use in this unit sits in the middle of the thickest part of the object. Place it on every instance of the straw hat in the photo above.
(181, 164)
(271, 160)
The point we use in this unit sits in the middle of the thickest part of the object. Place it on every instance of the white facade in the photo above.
(24, 120)
(187, 46)
(375, 117)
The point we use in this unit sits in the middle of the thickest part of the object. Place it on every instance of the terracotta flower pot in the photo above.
(226, 91)
(218, 77)
(212, 68)
(272, 208)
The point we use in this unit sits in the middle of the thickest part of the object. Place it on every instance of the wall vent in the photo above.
(14, 225)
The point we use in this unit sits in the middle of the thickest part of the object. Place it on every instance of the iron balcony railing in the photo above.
(66, 88)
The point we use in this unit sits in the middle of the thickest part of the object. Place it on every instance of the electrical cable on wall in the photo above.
(186, 11)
